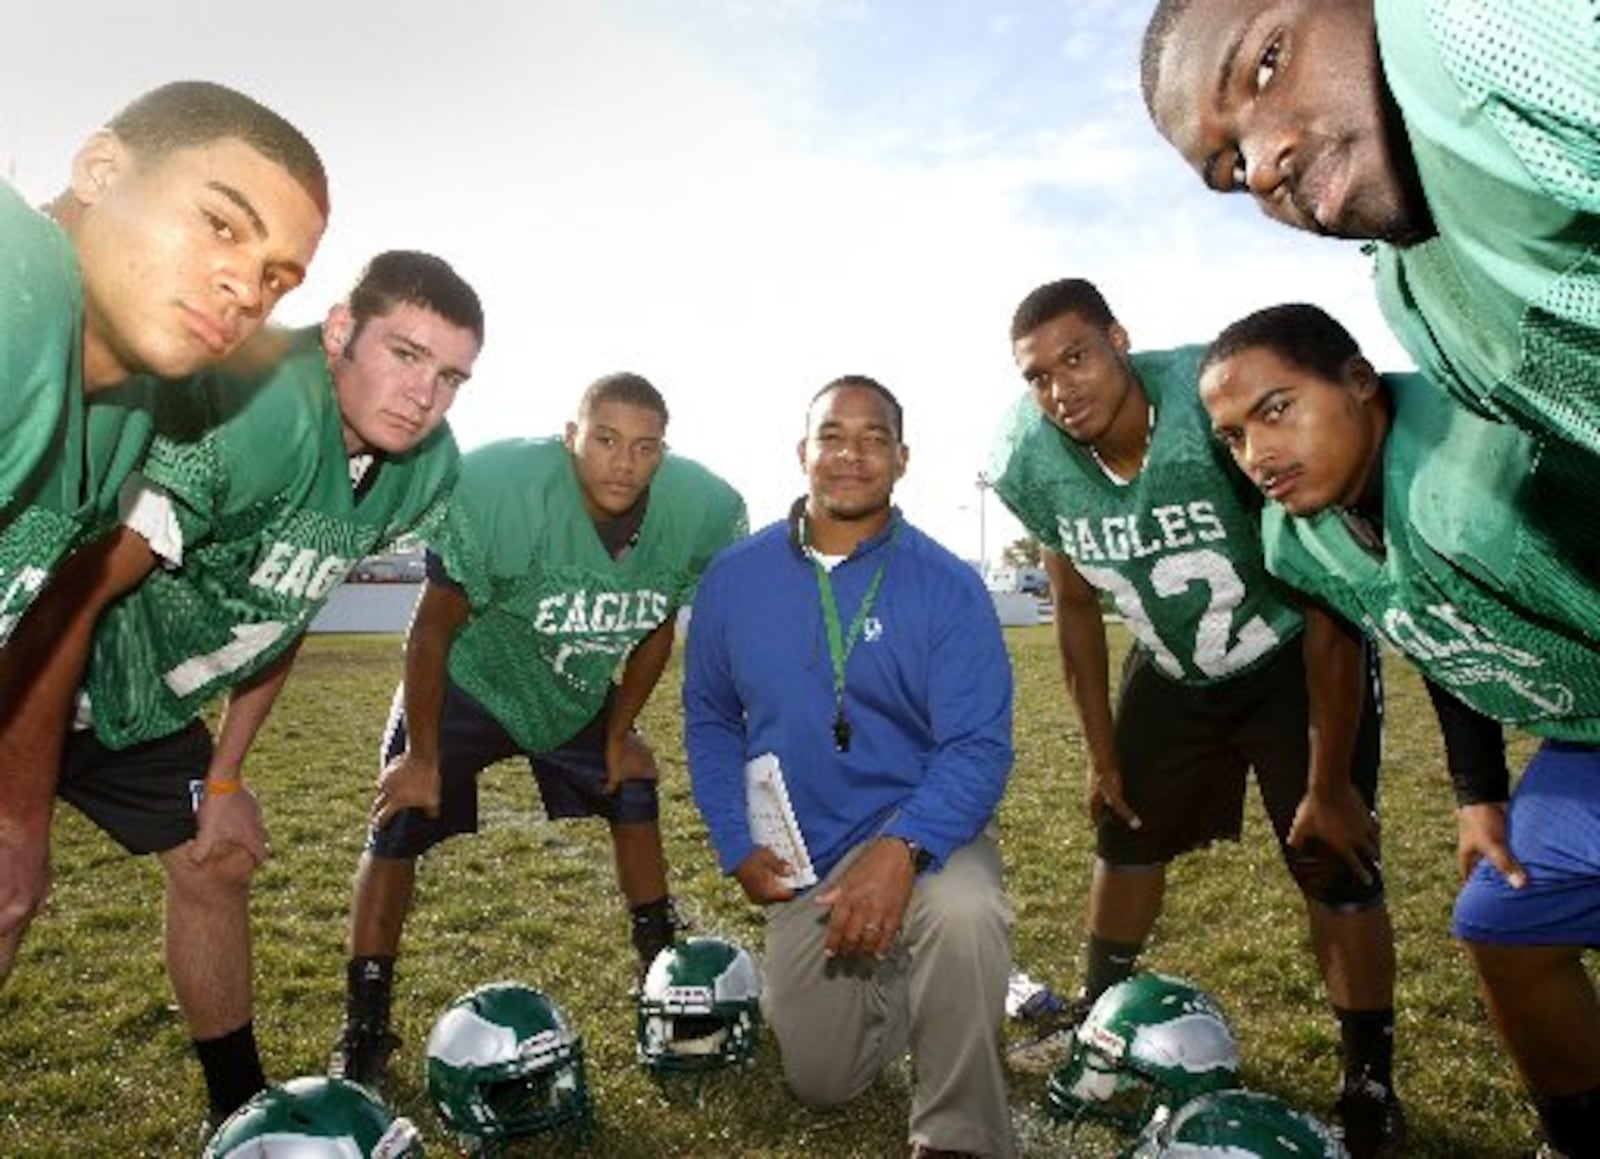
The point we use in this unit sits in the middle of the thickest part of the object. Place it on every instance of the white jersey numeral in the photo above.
(18, 595)
(249, 641)
(1218, 650)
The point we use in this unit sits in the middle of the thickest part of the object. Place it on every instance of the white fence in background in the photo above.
(1016, 609)
(368, 608)
(386, 607)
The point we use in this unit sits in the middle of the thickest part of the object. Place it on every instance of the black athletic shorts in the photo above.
(1185, 751)
(144, 797)
(571, 778)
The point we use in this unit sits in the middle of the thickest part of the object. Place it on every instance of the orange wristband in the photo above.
(217, 787)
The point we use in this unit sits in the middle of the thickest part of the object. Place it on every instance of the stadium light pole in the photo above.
(984, 487)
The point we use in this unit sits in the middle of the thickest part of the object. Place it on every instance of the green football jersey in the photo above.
(254, 460)
(1488, 581)
(1501, 101)
(62, 462)
(553, 615)
(1177, 548)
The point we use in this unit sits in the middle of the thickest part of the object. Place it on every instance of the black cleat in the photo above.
(1370, 1120)
(362, 1056)
(655, 926)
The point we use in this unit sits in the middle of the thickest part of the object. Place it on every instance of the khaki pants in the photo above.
(941, 992)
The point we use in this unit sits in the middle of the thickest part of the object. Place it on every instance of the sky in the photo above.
(739, 199)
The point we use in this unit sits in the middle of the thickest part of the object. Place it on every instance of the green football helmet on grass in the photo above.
(1234, 1124)
(1150, 1041)
(502, 1062)
(314, 1118)
(699, 1007)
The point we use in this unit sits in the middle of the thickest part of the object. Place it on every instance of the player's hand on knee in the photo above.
(1342, 822)
(1105, 792)
(761, 877)
(227, 821)
(629, 757)
(24, 873)
(1481, 835)
(407, 782)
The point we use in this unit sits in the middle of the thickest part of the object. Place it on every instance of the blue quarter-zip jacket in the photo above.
(928, 695)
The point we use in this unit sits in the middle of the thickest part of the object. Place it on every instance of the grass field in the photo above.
(94, 1060)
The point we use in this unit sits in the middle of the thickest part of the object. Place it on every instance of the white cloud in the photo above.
(739, 200)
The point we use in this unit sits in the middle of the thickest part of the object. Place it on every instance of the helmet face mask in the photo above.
(318, 1118)
(502, 1062)
(1236, 1123)
(1150, 1041)
(699, 1007)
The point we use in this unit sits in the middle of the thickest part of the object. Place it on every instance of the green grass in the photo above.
(94, 1060)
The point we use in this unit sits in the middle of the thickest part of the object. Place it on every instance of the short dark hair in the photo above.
(896, 414)
(188, 113)
(1156, 35)
(411, 277)
(1053, 299)
(1303, 335)
(624, 387)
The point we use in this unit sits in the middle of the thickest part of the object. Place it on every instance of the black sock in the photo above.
(232, 1067)
(655, 923)
(1108, 963)
(370, 984)
(1367, 1037)
(1571, 1122)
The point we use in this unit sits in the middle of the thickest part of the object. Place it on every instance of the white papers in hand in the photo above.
(772, 819)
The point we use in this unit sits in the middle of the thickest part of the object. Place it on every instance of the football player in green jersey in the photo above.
(184, 222)
(1109, 461)
(187, 218)
(1462, 136)
(563, 561)
(1472, 549)
(267, 481)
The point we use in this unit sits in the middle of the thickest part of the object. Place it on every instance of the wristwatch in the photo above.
(921, 859)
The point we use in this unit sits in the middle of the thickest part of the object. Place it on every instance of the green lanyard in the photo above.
(841, 644)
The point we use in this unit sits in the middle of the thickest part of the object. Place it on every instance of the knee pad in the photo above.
(635, 803)
(1324, 877)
